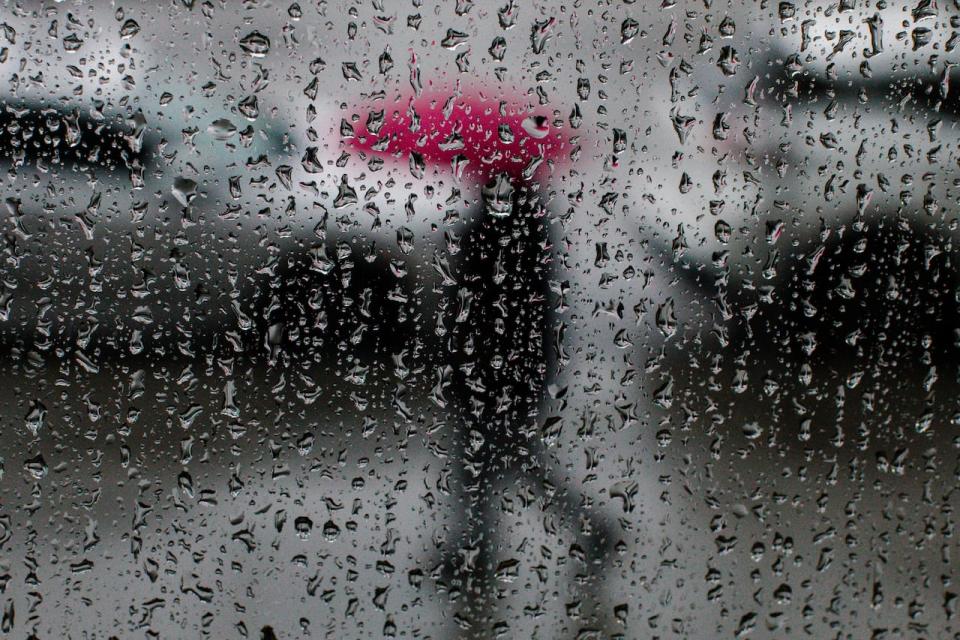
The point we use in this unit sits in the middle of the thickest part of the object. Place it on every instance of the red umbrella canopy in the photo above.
(472, 136)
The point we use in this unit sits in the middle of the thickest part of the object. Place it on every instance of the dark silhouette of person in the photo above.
(495, 356)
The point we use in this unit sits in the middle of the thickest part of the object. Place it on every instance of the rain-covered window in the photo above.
(583, 319)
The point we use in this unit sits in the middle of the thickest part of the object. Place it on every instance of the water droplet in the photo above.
(184, 190)
(256, 44)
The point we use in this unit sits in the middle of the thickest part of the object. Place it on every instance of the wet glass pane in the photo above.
(554, 319)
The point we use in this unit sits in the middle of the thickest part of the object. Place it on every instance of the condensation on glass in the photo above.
(552, 319)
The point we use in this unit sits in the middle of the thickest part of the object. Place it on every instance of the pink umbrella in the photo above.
(475, 137)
